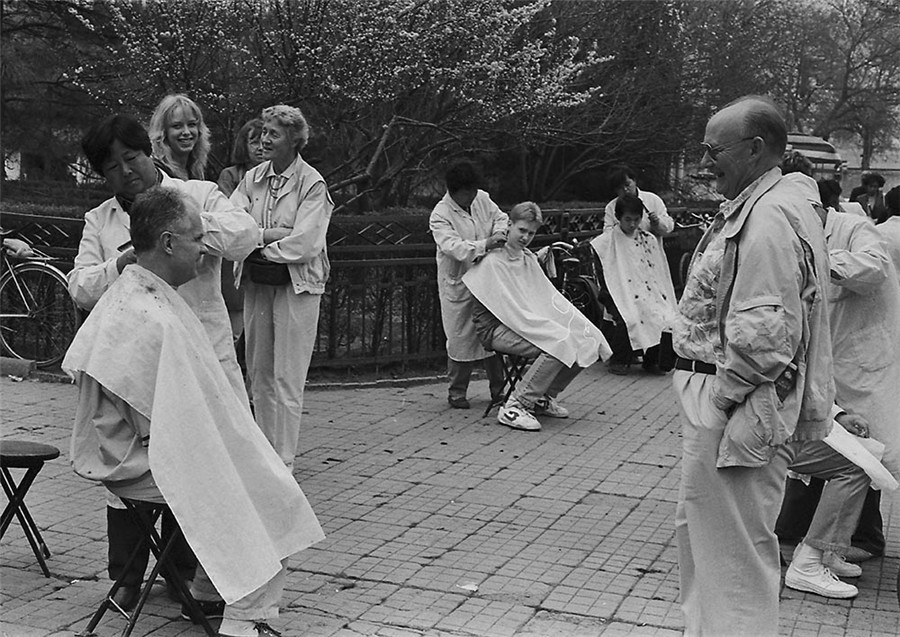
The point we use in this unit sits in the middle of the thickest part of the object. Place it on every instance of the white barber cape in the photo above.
(517, 292)
(637, 276)
(240, 508)
(865, 453)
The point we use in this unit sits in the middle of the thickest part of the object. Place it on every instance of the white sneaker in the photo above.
(839, 566)
(822, 582)
(517, 418)
(547, 406)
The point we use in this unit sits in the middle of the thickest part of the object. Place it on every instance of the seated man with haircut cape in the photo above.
(518, 311)
(158, 421)
(637, 277)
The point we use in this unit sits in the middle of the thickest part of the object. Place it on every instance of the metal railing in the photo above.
(381, 304)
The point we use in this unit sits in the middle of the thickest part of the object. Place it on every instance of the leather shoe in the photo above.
(127, 597)
(619, 369)
(212, 610)
(458, 402)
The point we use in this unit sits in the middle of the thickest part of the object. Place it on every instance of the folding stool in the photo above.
(21, 454)
(146, 519)
(514, 367)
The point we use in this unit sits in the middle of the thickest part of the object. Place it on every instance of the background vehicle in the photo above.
(827, 163)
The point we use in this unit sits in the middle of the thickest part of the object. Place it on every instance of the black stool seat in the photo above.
(24, 454)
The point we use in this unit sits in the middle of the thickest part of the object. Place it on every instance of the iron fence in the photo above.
(381, 304)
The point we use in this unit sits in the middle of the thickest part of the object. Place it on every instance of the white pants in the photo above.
(260, 605)
(280, 330)
(728, 553)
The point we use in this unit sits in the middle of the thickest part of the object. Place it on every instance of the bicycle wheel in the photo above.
(581, 296)
(38, 319)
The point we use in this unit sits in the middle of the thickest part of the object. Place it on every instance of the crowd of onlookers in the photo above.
(785, 345)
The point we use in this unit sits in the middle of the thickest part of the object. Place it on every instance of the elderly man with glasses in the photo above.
(753, 372)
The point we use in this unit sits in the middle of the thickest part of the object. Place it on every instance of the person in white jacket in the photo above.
(119, 149)
(890, 229)
(465, 225)
(151, 397)
(864, 310)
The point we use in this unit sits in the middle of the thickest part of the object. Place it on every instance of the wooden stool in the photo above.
(21, 454)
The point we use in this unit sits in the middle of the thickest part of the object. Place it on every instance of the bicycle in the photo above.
(38, 318)
(572, 270)
(699, 222)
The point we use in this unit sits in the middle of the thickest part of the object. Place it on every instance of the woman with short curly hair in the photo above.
(284, 280)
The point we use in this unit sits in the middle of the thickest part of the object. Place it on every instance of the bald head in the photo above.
(745, 139)
(762, 118)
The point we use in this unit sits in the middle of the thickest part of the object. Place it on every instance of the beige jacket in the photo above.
(772, 308)
(304, 205)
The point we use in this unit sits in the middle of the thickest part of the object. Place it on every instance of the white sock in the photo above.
(807, 558)
(238, 628)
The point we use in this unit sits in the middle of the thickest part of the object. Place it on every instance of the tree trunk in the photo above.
(867, 150)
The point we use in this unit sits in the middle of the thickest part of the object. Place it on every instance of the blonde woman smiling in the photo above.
(180, 138)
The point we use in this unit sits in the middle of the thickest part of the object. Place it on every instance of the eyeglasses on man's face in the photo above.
(715, 151)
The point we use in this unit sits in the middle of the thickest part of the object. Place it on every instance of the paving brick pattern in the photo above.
(440, 523)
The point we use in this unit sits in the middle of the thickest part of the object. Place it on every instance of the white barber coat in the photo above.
(461, 238)
(229, 232)
(890, 235)
(654, 204)
(864, 308)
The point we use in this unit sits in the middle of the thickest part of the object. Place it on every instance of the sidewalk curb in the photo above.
(16, 367)
(382, 382)
(27, 369)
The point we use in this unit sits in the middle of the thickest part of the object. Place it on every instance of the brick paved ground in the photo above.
(439, 523)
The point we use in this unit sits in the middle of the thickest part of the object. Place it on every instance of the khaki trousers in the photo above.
(280, 330)
(260, 605)
(728, 554)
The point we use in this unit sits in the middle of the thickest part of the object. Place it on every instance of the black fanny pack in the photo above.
(265, 272)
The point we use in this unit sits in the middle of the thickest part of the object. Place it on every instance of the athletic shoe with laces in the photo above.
(839, 566)
(822, 582)
(547, 406)
(518, 418)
